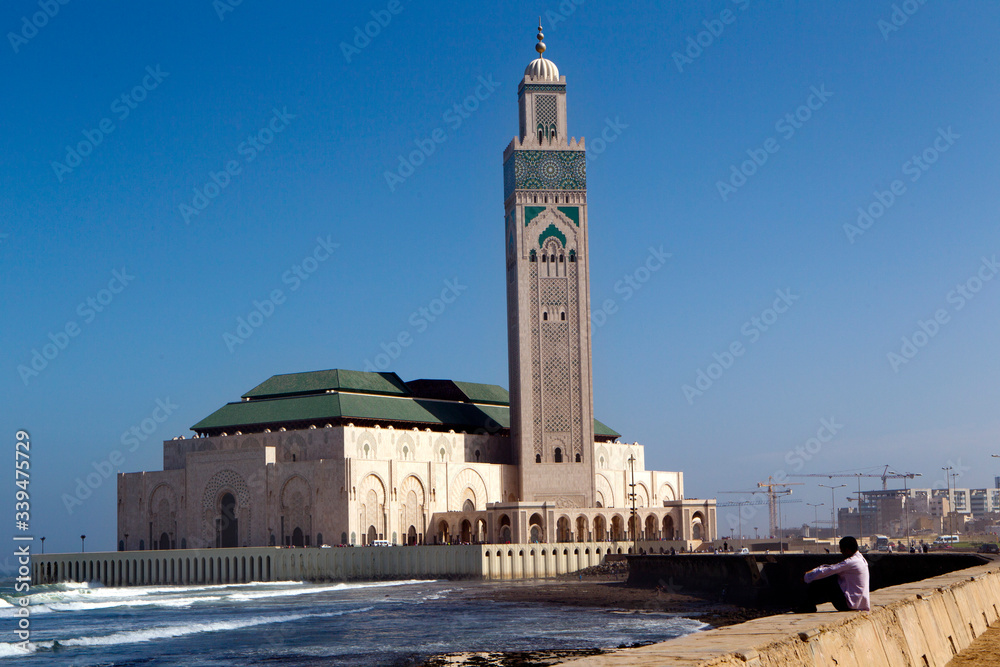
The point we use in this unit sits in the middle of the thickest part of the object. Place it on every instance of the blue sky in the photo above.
(688, 94)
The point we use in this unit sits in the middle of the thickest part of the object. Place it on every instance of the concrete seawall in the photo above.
(920, 624)
(222, 566)
(775, 580)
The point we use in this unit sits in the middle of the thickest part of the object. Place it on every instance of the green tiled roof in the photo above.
(600, 428)
(484, 393)
(339, 396)
(317, 381)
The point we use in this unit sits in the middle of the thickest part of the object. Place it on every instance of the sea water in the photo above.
(296, 623)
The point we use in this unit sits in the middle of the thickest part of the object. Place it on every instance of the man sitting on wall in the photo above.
(848, 591)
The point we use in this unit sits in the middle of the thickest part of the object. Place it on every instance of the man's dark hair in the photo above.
(848, 546)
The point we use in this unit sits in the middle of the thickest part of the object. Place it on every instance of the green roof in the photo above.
(484, 393)
(335, 380)
(297, 399)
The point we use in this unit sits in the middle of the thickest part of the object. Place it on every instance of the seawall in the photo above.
(920, 624)
(240, 565)
(776, 579)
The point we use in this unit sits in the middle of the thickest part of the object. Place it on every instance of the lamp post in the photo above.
(906, 501)
(815, 507)
(833, 505)
(954, 492)
(83, 542)
(947, 482)
(43, 545)
(635, 527)
(126, 541)
(781, 542)
(739, 514)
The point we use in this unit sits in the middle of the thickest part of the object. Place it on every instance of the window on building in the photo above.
(558, 455)
(538, 458)
(577, 458)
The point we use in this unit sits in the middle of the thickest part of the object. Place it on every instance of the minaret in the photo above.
(548, 295)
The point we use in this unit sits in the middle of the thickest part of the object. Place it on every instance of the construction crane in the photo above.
(886, 474)
(750, 503)
(772, 499)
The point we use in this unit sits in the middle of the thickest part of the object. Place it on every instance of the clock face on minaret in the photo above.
(548, 296)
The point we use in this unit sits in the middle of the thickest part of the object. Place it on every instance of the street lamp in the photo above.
(82, 543)
(815, 507)
(906, 503)
(635, 527)
(126, 541)
(947, 482)
(756, 533)
(43, 545)
(833, 505)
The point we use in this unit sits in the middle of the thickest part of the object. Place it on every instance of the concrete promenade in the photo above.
(921, 624)
(241, 565)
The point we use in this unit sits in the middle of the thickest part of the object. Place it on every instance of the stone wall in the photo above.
(921, 624)
(222, 566)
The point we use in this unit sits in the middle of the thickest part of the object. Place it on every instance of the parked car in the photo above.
(988, 548)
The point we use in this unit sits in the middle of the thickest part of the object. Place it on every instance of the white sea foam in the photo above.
(69, 598)
(14, 651)
(164, 632)
(312, 590)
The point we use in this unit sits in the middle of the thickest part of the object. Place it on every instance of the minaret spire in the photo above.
(540, 47)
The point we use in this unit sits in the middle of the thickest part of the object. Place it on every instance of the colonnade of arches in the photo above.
(609, 527)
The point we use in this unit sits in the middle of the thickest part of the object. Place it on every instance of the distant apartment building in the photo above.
(890, 510)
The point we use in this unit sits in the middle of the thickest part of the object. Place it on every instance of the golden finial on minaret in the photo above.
(540, 47)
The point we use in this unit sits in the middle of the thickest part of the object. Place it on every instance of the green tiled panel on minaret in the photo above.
(571, 212)
(545, 170)
(551, 230)
(532, 212)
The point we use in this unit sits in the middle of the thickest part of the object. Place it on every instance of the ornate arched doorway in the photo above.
(668, 528)
(226, 526)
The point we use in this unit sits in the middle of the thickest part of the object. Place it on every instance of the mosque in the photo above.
(357, 458)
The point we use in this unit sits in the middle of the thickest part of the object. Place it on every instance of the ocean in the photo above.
(296, 623)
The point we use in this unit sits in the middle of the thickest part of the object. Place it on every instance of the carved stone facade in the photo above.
(355, 485)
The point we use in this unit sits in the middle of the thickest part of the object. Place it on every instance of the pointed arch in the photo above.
(666, 492)
(605, 490)
(371, 497)
(467, 480)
